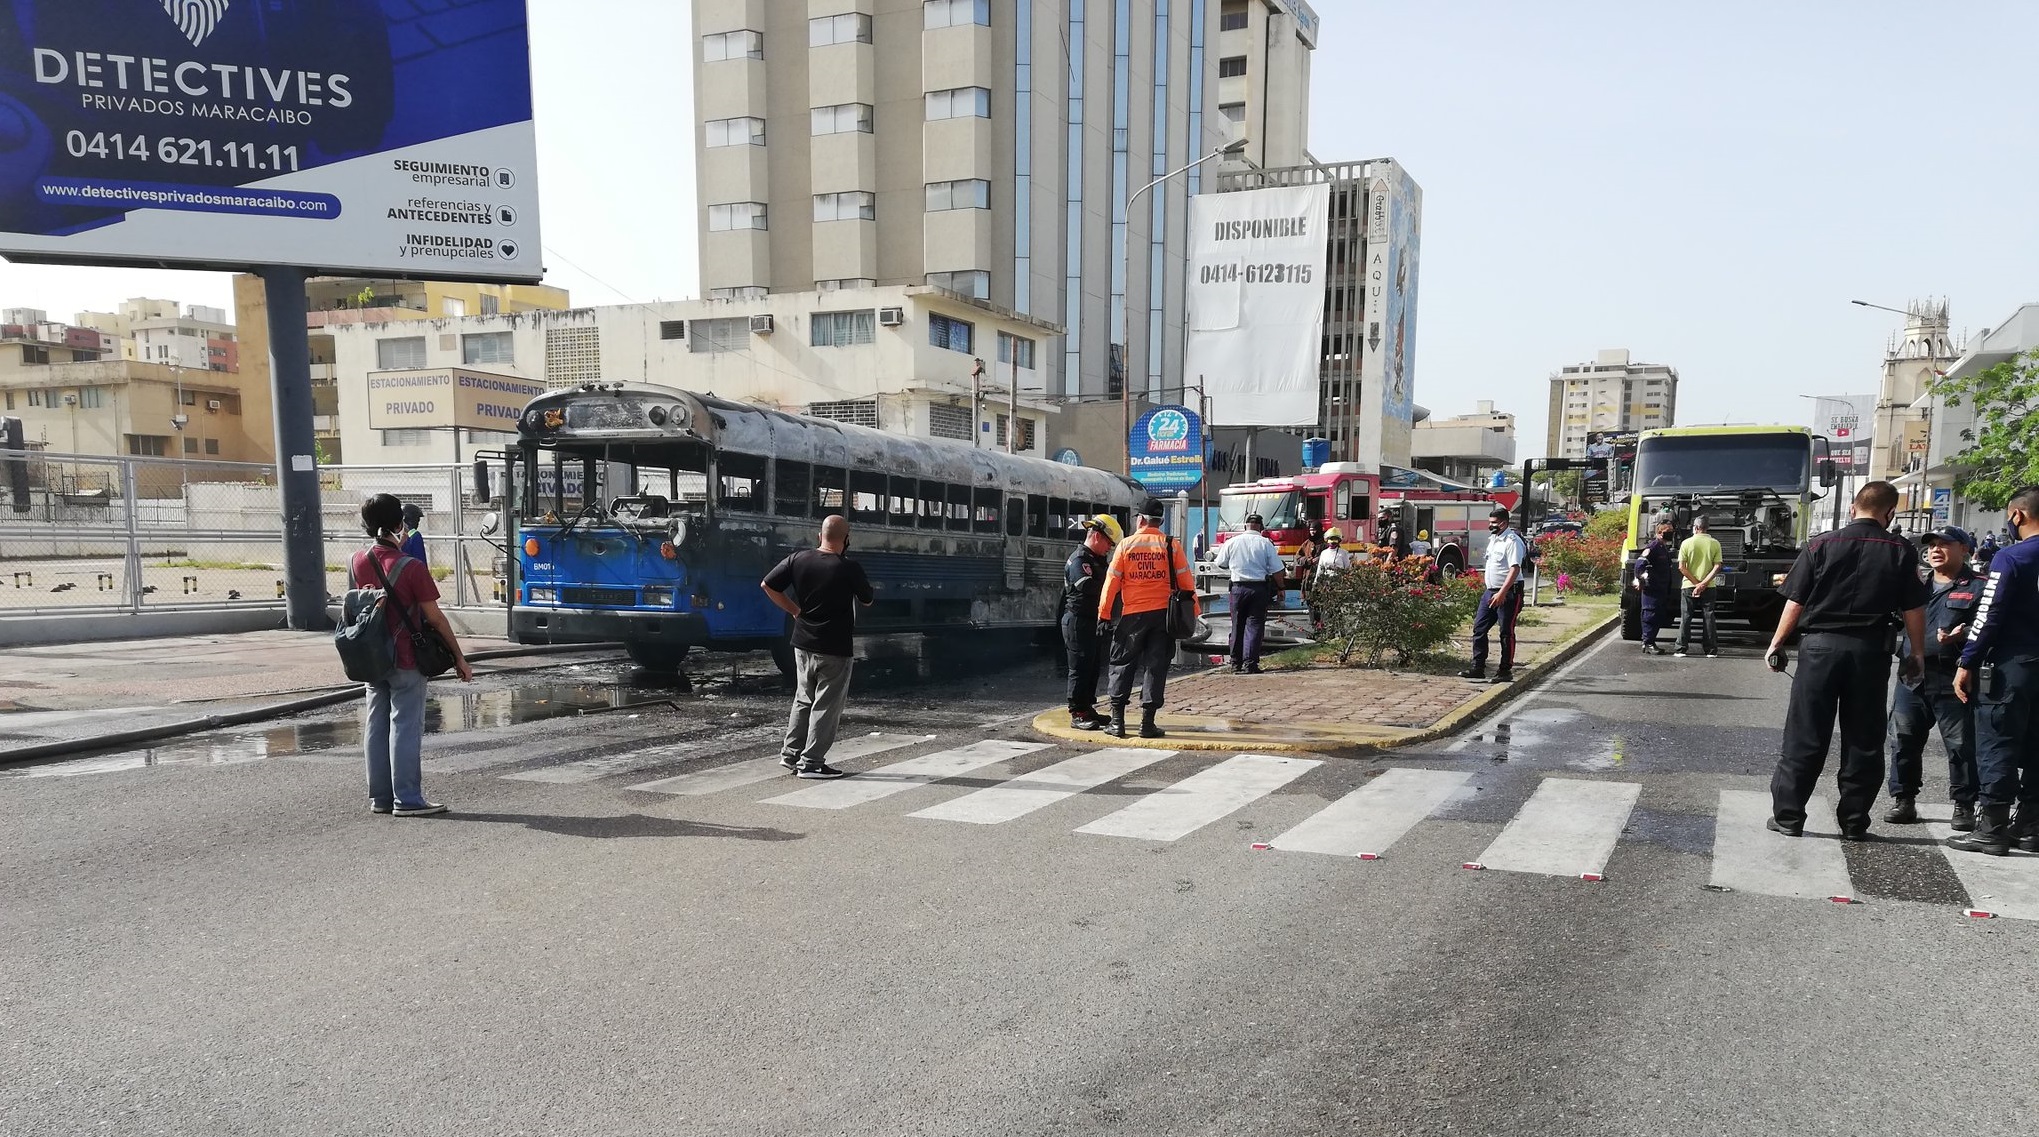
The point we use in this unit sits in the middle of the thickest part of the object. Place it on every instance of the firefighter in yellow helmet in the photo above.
(1083, 583)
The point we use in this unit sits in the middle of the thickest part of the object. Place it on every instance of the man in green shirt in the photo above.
(1699, 564)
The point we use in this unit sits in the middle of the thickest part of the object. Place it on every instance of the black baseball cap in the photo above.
(1255, 519)
(1952, 534)
(1152, 507)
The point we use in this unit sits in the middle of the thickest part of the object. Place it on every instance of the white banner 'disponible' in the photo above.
(1256, 303)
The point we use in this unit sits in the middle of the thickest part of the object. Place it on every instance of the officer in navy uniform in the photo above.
(1999, 677)
(1841, 593)
(1083, 581)
(1915, 708)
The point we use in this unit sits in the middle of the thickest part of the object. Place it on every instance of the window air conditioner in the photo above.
(891, 317)
(70, 400)
(212, 404)
(761, 325)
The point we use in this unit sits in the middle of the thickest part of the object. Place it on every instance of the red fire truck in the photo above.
(1346, 497)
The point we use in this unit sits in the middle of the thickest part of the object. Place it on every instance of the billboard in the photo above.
(372, 138)
(1849, 423)
(1166, 448)
(444, 398)
(1256, 303)
(1389, 358)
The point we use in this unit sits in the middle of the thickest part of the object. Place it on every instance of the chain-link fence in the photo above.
(105, 534)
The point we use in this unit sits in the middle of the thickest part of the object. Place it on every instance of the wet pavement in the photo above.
(635, 923)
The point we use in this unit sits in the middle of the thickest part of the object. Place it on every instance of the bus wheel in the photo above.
(782, 657)
(657, 657)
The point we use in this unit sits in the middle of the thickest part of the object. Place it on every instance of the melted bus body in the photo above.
(647, 515)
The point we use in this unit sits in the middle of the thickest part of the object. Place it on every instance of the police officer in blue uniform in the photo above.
(1916, 707)
(1082, 583)
(1841, 593)
(1999, 677)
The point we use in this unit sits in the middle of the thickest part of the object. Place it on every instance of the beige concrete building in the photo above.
(1263, 76)
(986, 147)
(69, 403)
(901, 359)
(338, 301)
(1464, 447)
(1612, 394)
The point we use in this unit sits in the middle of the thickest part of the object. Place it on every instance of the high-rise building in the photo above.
(1264, 49)
(986, 148)
(1611, 395)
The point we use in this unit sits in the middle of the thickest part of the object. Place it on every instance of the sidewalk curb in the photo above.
(44, 751)
(1052, 723)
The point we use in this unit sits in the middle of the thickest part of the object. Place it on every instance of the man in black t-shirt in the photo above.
(819, 588)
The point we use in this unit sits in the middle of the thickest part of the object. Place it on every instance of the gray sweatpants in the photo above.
(821, 684)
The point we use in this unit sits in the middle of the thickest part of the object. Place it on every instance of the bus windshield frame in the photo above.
(1717, 463)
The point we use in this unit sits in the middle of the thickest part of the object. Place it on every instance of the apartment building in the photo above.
(339, 301)
(913, 360)
(1610, 394)
(1467, 448)
(71, 401)
(988, 148)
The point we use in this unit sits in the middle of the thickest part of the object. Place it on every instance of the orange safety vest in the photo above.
(1139, 576)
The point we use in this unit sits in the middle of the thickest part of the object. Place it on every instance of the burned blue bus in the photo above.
(647, 516)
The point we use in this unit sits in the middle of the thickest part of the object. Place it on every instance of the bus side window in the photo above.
(829, 496)
(984, 514)
(1037, 515)
(932, 507)
(1061, 516)
(743, 482)
(1015, 517)
(902, 503)
(867, 498)
(959, 508)
(792, 494)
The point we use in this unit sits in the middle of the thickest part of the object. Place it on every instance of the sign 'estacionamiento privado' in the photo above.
(346, 136)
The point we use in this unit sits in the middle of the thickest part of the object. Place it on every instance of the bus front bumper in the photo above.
(532, 624)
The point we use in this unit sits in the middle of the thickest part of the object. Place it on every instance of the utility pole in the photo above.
(1012, 406)
(977, 403)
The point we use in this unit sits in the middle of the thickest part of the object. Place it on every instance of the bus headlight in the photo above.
(657, 415)
(658, 597)
(544, 595)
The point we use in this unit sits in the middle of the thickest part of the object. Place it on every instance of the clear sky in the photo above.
(1706, 185)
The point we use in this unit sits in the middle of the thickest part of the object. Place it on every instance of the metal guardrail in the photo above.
(110, 535)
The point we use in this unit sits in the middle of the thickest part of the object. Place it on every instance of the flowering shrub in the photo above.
(1375, 608)
(1588, 563)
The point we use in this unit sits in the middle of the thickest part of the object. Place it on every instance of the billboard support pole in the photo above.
(297, 474)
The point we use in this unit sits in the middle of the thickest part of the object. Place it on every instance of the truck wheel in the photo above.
(1449, 564)
(1631, 620)
(657, 657)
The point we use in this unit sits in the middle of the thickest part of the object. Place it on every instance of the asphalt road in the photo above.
(226, 942)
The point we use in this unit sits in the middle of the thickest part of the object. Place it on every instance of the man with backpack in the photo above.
(409, 602)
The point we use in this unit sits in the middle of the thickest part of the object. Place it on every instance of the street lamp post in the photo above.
(1125, 304)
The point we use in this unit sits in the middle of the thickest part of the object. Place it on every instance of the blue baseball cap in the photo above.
(1951, 533)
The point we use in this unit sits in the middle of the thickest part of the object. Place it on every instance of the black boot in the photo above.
(1147, 727)
(1964, 817)
(1902, 812)
(1095, 718)
(1992, 833)
(1117, 726)
(2024, 832)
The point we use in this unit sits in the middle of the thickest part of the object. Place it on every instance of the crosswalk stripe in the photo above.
(1201, 798)
(1750, 858)
(592, 769)
(469, 763)
(703, 782)
(1376, 815)
(899, 777)
(1567, 827)
(1025, 794)
(2007, 886)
